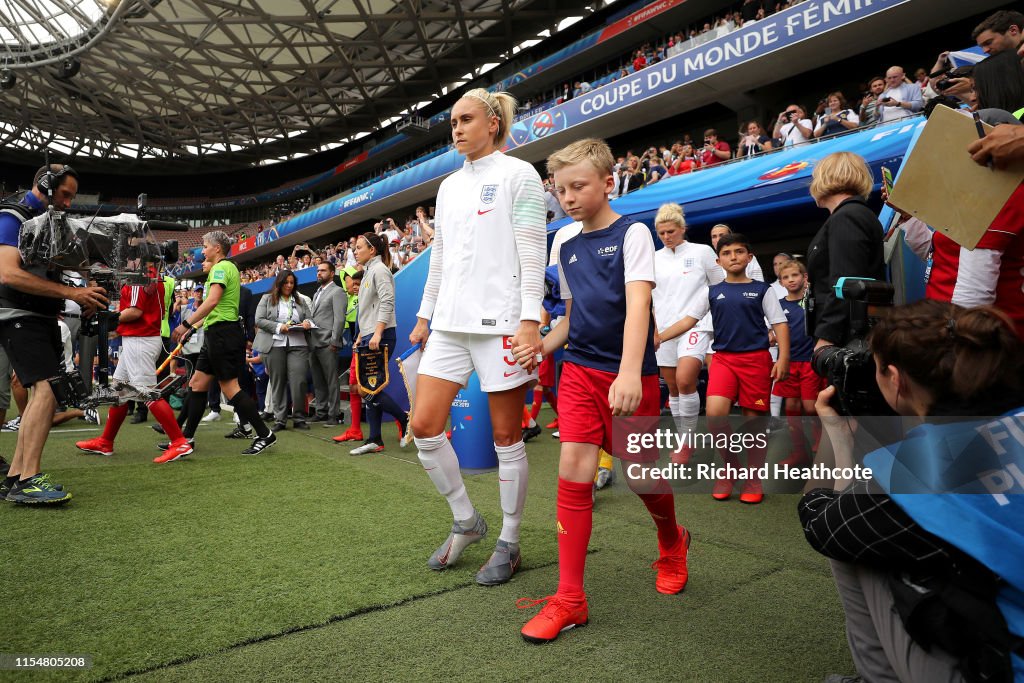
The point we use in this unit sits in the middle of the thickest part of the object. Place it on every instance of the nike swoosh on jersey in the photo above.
(481, 213)
(514, 372)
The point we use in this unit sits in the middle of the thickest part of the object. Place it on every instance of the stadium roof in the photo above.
(167, 84)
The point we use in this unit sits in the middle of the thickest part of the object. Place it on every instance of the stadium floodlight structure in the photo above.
(36, 33)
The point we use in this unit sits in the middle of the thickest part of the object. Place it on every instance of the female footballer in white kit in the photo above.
(482, 298)
(683, 271)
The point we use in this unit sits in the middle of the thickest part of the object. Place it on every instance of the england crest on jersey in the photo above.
(689, 262)
(488, 193)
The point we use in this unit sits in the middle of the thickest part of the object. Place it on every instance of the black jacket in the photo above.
(849, 244)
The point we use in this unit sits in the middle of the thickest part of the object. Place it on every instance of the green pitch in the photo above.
(308, 563)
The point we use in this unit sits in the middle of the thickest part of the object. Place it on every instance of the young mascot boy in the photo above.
(741, 370)
(609, 368)
(800, 389)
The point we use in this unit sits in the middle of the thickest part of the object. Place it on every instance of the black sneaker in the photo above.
(139, 417)
(167, 444)
(300, 425)
(158, 428)
(318, 418)
(279, 427)
(260, 444)
(240, 432)
(37, 490)
(531, 432)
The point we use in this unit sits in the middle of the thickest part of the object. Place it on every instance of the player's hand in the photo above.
(527, 356)
(1003, 145)
(89, 298)
(772, 341)
(177, 333)
(374, 341)
(307, 325)
(528, 334)
(624, 394)
(420, 333)
(780, 370)
(657, 340)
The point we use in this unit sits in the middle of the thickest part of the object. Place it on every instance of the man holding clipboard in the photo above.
(974, 256)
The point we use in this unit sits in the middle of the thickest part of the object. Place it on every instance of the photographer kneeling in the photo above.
(31, 297)
(932, 585)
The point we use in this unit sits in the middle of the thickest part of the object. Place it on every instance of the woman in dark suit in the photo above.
(849, 244)
(282, 338)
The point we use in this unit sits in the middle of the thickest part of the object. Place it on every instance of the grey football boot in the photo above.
(501, 566)
(460, 538)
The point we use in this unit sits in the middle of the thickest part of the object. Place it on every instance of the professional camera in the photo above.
(960, 72)
(851, 368)
(113, 251)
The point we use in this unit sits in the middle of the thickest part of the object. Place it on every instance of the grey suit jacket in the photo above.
(329, 317)
(266, 322)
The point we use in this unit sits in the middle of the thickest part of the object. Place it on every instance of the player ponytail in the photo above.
(969, 360)
(499, 104)
(379, 245)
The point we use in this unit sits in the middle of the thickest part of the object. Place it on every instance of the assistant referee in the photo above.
(223, 353)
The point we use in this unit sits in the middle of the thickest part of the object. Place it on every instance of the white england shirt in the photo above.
(487, 258)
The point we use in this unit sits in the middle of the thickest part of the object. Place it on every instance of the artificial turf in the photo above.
(305, 562)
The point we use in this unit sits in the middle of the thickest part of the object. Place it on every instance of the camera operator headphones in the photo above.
(51, 180)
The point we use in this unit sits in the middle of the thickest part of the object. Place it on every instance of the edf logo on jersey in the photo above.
(608, 251)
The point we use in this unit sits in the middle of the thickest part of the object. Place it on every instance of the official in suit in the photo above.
(326, 337)
(282, 337)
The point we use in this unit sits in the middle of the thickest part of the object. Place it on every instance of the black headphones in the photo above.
(51, 180)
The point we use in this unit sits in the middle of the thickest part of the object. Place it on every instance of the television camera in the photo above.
(113, 252)
(851, 368)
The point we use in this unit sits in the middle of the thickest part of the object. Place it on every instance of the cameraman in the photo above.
(849, 244)
(30, 299)
(928, 582)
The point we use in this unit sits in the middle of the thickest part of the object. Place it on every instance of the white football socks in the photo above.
(513, 476)
(442, 466)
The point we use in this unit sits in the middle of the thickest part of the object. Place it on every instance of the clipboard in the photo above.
(941, 185)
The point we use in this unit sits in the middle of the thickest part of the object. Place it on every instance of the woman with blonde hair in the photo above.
(849, 244)
(682, 273)
(482, 298)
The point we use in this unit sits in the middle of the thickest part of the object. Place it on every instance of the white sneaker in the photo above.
(367, 448)
(92, 415)
(211, 416)
(12, 425)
